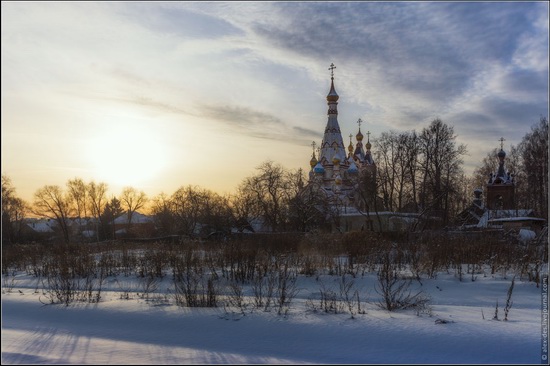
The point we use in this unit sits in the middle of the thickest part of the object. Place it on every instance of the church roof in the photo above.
(332, 144)
(501, 176)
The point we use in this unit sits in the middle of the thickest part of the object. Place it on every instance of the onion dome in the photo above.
(350, 147)
(332, 95)
(319, 168)
(501, 154)
(359, 136)
(313, 161)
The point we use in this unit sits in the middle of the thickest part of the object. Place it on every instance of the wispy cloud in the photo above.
(256, 124)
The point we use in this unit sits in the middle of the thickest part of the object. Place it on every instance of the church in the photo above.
(343, 180)
(499, 211)
(346, 180)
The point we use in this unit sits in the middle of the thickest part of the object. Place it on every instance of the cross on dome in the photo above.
(501, 142)
(359, 121)
(331, 68)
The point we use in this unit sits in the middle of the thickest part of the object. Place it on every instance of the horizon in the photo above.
(157, 96)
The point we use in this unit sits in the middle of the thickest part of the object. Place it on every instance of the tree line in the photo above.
(418, 172)
(423, 172)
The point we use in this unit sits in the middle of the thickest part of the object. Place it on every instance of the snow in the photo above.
(137, 218)
(526, 235)
(491, 216)
(41, 226)
(157, 331)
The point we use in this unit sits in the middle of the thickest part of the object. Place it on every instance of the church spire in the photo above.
(332, 95)
(332, 144)
(501, 187)
(313, 160)
(368, 156)
(501, 175)
(359, 152)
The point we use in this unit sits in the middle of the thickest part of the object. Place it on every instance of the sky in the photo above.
(159, 95)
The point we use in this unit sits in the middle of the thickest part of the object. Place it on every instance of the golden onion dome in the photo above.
(313, 161)
(359, 136)
(368, 145)
(332, 96)
(350, 148)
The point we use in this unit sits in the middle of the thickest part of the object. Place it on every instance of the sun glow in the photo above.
(128, 154)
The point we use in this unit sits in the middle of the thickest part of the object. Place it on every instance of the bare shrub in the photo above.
(60, 286)
(349, 296)
(148, 285)
(71, 274)
(394, 289)
(92, 286)
(126, 289)
(263, 285)
(152, 262)
(8, 281)
(508, 305)
(329, 300)
(194, 289)
(235, 296)
(286, 285)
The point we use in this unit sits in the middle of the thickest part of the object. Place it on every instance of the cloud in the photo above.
(306, 132)
(179, 21)
(244, 120)
(426, 54)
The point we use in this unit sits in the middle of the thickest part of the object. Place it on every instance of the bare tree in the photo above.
(77, 189)
(161, 209)
(367, 185)
(97, 193)
(52, 202)
(243, 208)
(186, 209)
(270, 191)
(397, 154)
(309, 209)
(198, 210)
(132, 200)
(440, 168)
(534, 152)
(217, 214)
(13, 212)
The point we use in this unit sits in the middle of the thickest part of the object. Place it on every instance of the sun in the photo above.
(127, 154)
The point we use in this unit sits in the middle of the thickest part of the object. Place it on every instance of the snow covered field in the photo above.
(157, 331)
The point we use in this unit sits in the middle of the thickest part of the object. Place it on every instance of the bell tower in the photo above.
(501, 187)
